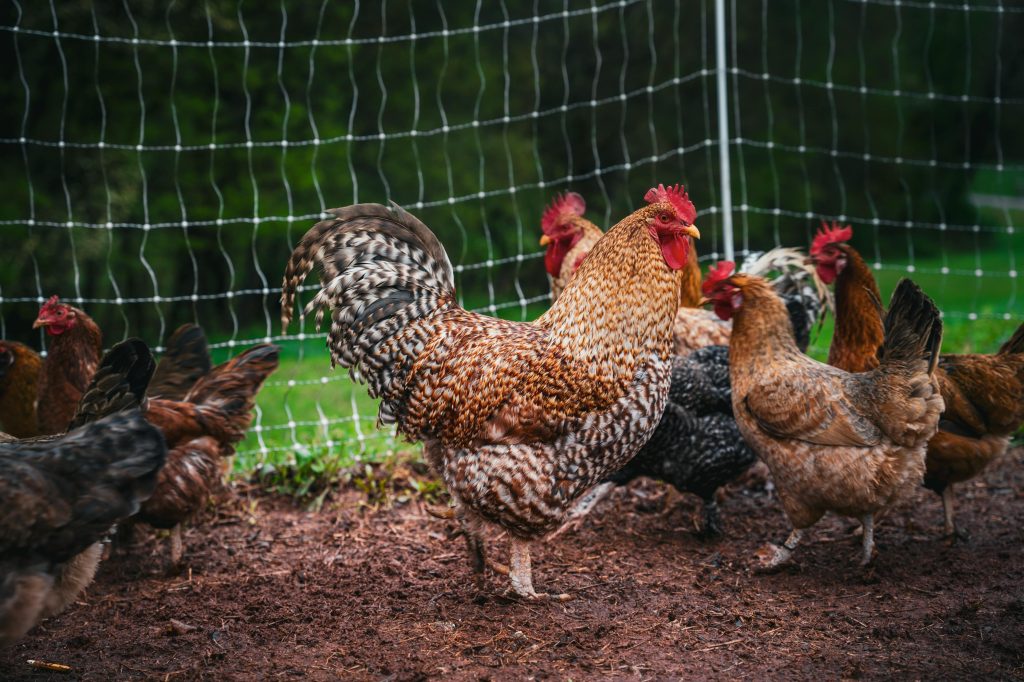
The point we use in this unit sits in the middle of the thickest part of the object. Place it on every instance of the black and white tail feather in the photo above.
(807, 298)
(381, 270)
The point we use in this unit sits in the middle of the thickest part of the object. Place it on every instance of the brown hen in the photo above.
(519, 419)
(834, 441)
(75, 346)
(201, 432)
(984, 394)
(19, 389)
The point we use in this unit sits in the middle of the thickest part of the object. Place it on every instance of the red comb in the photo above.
(50, 303)
(724, 270)
(563, 206)
(675, 196)
(830, 235)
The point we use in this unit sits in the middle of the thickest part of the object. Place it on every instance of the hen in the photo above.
(76, 344)
(984, 394)
(569, 237)
(201, 432)
(519, 419)
(62, 494)
(834, 441)
(19, 389)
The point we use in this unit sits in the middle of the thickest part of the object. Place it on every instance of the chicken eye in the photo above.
(664, 217)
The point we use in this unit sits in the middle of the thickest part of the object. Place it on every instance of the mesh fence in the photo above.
(160, 160)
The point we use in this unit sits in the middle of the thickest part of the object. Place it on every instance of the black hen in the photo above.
(62, 494)
(697, 446)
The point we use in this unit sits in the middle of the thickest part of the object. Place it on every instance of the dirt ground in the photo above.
(361, 591)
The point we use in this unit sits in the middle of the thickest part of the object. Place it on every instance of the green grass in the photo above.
(305, 390)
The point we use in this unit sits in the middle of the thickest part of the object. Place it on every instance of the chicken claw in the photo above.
(446, 513)
(773, 556)
(521, 574)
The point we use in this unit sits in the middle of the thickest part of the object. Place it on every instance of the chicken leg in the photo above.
(521, 573)
(177, 550)
(952, 532)
(583, 507)
(712, 527)
(868, 523)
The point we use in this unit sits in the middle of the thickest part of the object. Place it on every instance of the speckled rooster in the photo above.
(518, 418)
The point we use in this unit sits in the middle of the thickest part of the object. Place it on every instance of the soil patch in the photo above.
(359, 592)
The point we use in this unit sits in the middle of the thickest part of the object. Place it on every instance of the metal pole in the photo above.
(725, 175)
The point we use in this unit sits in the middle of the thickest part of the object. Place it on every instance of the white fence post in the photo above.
(725, 175)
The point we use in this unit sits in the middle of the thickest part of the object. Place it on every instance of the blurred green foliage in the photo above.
(450, 114)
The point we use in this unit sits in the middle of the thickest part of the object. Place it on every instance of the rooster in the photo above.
(19, 389)
(62, 494)
(569, 237)
(697, 446)
(834, 441)
(519, 419)
(984, 394)
(201, 431)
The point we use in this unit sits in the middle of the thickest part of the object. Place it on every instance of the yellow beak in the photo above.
(692, 231)
(545, 240)
(704, 300)
(39, 323)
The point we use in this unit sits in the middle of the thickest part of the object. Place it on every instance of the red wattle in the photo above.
(556, 253)
(827, 273)
(553, 258)
(675, 249)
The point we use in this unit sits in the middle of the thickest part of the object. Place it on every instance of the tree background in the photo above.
(890, 115)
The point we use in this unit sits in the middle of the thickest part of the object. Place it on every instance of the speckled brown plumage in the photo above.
(983, 394)
(589, 236)
(848, 443)
(694, 328)
(201, 433)
(518, 418)
(19, 389)
(72, 358)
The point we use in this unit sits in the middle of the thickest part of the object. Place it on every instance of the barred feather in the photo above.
(519, 418)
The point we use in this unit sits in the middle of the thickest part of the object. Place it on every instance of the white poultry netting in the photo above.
(160, 161)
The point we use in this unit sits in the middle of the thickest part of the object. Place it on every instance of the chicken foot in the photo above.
(952, 532)
(583, 507)
(521, 573)
(772, 556)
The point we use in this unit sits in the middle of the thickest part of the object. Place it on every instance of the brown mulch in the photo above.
(359, 592)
